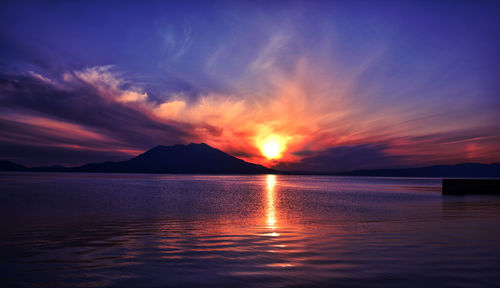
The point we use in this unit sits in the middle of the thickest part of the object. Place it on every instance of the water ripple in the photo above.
(249, 231)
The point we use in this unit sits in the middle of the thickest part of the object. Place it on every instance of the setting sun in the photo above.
(271, 150)
(272, 147)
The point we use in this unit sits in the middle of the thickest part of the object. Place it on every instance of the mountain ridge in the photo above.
(183, 159)
(204, 159)
(192, 158)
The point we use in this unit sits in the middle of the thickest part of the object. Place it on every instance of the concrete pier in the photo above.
(471, 186)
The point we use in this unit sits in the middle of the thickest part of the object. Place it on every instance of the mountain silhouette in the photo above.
(203, 159)
(192, 158)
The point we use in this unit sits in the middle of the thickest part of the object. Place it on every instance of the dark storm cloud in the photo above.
(345, 158)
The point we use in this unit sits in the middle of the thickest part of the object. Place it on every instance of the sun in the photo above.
(271, 150)
(272, 147)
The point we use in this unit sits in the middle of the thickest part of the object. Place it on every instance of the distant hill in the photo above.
(192, 158)
(460, 170)
(10, 166)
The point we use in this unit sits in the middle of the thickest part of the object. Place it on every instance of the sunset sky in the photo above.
(338, 85)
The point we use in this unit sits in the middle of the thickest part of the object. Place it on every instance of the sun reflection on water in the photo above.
(271, 208)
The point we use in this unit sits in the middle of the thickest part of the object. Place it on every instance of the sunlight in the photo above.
(271, 150)
(272, 147)
(271, 213)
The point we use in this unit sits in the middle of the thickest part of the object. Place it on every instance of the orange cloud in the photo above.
(306, 108)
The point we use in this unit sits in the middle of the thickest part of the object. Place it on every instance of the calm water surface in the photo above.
(118, 230)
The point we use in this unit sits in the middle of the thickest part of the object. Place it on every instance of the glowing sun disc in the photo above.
(271, 149)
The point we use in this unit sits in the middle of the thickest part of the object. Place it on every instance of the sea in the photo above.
(151, 230)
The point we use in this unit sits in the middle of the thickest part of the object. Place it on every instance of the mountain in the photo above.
(460, 170)
(203, 159)
(192, 158)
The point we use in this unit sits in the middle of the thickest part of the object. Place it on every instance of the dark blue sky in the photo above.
(404, 83)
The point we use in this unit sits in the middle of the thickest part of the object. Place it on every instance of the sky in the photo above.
(339, 85)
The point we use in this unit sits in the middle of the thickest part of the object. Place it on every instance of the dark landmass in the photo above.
(471, 186)
(189, 159)
(10, 166)
(203, 159)
(464, 170)
(460, 170)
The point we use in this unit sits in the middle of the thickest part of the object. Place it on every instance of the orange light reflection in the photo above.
(271, 208)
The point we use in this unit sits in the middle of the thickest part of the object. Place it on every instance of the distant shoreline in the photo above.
(204, 159)
(284, 173)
